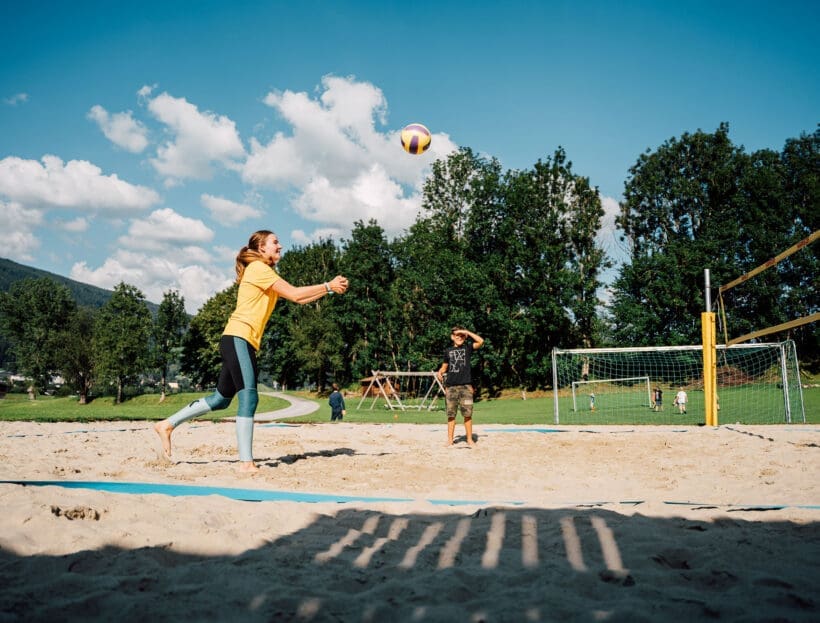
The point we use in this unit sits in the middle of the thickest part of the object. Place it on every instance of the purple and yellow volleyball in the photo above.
(415, 138)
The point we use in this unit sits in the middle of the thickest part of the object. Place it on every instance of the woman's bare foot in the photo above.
(248, 467)
(164, 430)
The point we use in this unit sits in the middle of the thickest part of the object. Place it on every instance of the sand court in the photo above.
(361, 522)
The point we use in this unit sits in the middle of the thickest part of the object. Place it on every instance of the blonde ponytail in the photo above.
(250, 252)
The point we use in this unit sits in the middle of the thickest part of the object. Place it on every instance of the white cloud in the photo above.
(121, 129)
(197, 141)
(17, 98)
(159, 253)
(371, 194)
(321, 233)
(199, 283)
(225, 255)
(75, 184)
(187, 272)
(226, 212)
(19, 224)
(145, 91)
(164, 229)
(75, 226)
(340, 165)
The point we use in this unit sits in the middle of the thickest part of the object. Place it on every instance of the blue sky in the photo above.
(144, 141)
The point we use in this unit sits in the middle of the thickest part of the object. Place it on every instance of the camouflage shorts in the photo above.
(459, 396)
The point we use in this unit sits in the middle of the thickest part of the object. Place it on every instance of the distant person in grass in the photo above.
(458, 381)
(680, 401)
(260, 287)
(657, 399)
(337, 404)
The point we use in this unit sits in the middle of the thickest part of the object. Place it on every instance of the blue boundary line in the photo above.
(566, 430)
(245, 495)
(261, 495)
(525, 430)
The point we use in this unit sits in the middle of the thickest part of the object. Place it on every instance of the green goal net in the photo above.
(756, 384)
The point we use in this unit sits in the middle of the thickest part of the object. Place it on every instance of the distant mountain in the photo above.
(84, 294)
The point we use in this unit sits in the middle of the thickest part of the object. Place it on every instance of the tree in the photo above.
(437, 282)
(363, 313)
(512, 256)
(801, 169)
(122, 332)
(35, 315)
(552, 264)
(680, 215)
(306, 335)
(168, 331)
(200, 346)
(700, 202)
(76, 355)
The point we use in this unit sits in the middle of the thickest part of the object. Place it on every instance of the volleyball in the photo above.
(415, 138)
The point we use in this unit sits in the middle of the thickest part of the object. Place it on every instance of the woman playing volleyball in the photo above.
(260, 286)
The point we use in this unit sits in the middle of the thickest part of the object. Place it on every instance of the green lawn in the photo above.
(17, 407)
(735, 407)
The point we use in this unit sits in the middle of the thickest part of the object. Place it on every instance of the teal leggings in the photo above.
(237, 378)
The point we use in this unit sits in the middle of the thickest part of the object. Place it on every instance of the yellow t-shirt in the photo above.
(254, 303)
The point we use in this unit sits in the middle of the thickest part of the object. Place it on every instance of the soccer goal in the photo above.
(756, 384)
(628, 392)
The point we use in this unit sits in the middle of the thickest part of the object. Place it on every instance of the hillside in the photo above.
(85, 294)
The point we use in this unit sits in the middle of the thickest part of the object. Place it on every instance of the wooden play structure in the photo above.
(387, 384)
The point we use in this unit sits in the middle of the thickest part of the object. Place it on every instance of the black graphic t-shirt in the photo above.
(457, 359)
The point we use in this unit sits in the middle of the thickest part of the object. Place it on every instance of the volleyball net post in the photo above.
(709, 337)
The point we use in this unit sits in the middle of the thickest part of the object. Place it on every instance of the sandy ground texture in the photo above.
(355, 522)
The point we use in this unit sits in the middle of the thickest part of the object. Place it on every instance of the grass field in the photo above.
(735, 407)
(757, 404)
(17, 407)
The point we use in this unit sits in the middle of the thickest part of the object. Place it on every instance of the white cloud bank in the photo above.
(154, 274)
(227, 212)
(339, 165)
(197, 140)
(121, 129)
(76, 184)
(165, 251)
(19, 227)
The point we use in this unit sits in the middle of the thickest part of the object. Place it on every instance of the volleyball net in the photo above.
(785, 326)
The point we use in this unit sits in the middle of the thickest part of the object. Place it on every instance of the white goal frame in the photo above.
(782, 374)
(576, 384)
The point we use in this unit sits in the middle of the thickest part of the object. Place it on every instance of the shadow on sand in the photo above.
(496, 564)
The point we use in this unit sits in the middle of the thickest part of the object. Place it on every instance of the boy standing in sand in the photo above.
(458, 381)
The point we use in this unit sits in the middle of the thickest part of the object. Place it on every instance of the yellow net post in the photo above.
(708, 332)
(707, 320)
